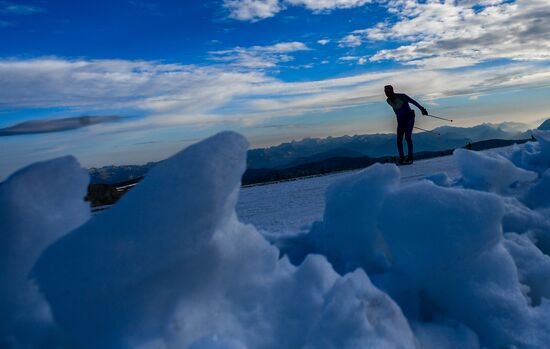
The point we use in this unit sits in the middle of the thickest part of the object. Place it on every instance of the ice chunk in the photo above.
(518, 218)
(441, 178)
(438, 227)
(348, 234)
(534, 156)
(448, 260)
(490, 173)
(453, 336)
(538, 196)
(543, 158)
(122, 272)
(533, 266)
(357, 315)
(38, 204)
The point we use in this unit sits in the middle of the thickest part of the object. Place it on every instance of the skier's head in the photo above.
(388, 90)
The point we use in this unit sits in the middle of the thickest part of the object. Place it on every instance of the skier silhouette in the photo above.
(405, 121)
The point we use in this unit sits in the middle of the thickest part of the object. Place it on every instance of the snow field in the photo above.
(290, 207)
(450, 261)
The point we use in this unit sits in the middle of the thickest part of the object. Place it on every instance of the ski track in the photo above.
(290, 207)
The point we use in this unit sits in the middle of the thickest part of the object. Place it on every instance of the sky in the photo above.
(131, 81)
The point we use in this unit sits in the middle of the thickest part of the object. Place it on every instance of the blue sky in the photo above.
(173, 72)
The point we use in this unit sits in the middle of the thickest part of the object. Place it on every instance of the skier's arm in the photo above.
(421, 108)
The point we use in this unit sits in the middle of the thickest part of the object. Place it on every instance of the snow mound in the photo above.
(438, 248)
(38, 204)
(348, 235)
(171, 266)
(534, 156)
(492, 173)
(438, 263)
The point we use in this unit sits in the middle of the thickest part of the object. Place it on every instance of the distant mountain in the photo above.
(377, 145)
(117, 174)
(335, 164)
(334, 153)
(313, 150)
(545, 126)
(107, 194)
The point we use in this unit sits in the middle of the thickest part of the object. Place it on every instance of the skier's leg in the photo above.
(408, 138)
(400, 134)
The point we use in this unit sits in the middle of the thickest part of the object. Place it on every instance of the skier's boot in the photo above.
(409, 160)
(401, 161)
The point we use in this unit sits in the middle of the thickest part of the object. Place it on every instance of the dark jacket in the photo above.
(400, 105)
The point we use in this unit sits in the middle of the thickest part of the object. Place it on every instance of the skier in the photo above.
(405, 121)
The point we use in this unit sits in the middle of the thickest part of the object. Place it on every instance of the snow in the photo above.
(490, 172)
(377, 258)
(38, 204)
(289, 207)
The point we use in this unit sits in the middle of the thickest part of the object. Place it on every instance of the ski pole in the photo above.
(422, 129)
(440, 118)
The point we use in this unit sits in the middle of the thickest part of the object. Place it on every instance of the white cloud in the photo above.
(174, 94)
(252, 10)
(255, 10)
(358, 60)
(116, 84)
(323, 41)
(300, 98)
(451, 34)
(350, 41)
(348, 58)
(282, 47)
(258, 57)
(328, 5)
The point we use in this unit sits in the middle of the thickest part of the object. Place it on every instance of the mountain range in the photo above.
(377, 145)
(314, 150)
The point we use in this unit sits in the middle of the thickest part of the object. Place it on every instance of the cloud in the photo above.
(350, 41)
(348, 58)
(323, 41)
(255, 10)
(358, 60)
(172, 94)
(328, 5)
(333, 94)
(258, 56)
(88, 85)
(55, 125)
(252, 10)
(463, 33)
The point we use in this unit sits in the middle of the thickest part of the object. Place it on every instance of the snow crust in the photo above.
(436, 263)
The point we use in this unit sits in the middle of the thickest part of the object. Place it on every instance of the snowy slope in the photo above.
(287, 207)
